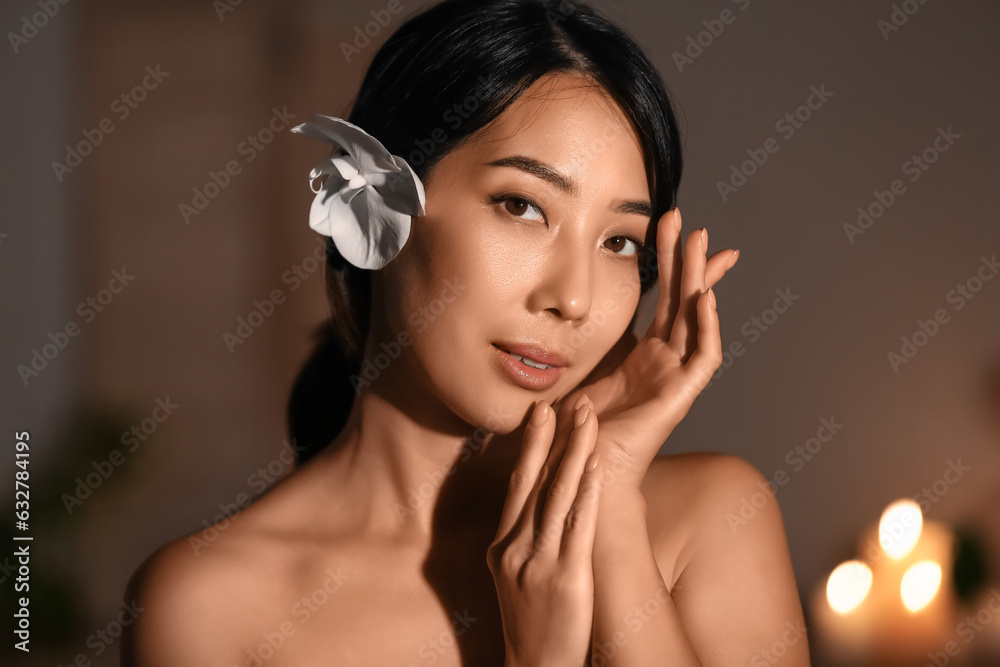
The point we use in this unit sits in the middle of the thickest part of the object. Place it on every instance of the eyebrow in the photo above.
(547, 173)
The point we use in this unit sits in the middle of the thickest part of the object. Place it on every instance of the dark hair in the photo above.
(445, 74)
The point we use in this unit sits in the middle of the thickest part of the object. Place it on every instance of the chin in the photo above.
(499, 412)
(488, 401)
(488, 405)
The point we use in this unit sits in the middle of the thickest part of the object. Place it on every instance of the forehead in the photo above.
(563, 105)
(565, 120)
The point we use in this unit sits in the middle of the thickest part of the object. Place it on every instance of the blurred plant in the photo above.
(970, 571)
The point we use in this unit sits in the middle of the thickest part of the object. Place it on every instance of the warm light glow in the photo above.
(920, 583)
(899, 528)
(848, 585)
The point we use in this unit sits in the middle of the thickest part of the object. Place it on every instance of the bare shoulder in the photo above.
(715, 519)
(700, 503)
(183, 598)
(199, 598)
(690, 491)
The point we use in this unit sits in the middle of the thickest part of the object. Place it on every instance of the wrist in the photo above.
(623, 472)
(621, 522)
(623, 493)
(621, 517)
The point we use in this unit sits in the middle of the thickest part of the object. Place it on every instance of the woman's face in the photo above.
(529, 247)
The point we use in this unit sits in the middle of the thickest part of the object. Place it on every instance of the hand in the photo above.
(542, 556)
(643, 389)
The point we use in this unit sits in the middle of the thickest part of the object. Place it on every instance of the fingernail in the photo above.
(581, 415)
(540, 414)
(704, 238)
(592, 460)
(736, 255)
(581, 399)
(677, 219)
(711, 297)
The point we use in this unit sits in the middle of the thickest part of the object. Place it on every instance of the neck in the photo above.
(410, 468)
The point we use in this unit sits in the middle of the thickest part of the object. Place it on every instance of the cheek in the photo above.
(444, 299)
(510, 263)
(437, 280)
(496, 263)
(610, 315)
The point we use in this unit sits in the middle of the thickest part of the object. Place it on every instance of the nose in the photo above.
(565, 283)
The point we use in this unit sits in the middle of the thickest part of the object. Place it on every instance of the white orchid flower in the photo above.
(366, 200)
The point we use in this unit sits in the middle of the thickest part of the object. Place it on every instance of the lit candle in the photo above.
(844, 614)
(908, 609)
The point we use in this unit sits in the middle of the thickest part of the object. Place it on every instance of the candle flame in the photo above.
(899, 528)
(848, 586)
(920, 584)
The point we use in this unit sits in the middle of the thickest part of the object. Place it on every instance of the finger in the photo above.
(559, 495)
(534, 449)
(718, 264)
(565, 416)
(581, 522)
(668, 251)
(707, 356)
(525, 533)
(682, 335)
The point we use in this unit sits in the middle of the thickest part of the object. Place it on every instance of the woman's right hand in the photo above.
(542, 556)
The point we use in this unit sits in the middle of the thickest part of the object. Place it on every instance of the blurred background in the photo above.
(152, 193)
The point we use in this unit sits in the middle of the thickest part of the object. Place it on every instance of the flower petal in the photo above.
(370, 155)
(389, 229)
(368, 196)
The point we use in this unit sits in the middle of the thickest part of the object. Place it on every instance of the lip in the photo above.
(527, 376)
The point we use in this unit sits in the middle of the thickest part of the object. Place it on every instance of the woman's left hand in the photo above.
(641, 399)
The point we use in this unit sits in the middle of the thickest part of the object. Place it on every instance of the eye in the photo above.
(632, 247)
(519, 207)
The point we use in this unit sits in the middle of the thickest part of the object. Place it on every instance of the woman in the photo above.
(479, 480)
